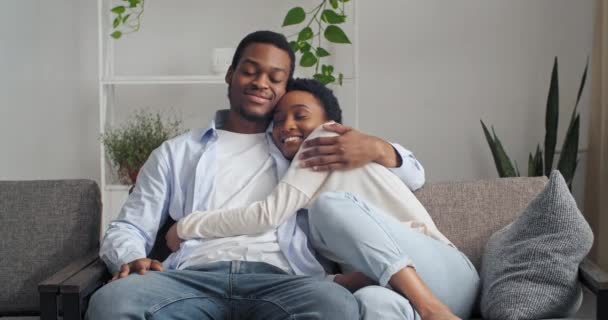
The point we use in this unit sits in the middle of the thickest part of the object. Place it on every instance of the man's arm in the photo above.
(131, 236)
(353, 149)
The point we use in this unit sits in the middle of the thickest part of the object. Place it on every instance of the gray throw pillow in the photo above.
(529, 268)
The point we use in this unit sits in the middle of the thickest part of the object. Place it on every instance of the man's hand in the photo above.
(352, 149)
(353, 281)
(173, 240)
(140, 266)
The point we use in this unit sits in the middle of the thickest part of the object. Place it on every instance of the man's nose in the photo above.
(261, 81)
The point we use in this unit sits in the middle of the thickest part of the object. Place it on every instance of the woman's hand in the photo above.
(353, 281)
(173, 240)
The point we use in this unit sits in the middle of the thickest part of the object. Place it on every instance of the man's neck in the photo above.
(238, 124)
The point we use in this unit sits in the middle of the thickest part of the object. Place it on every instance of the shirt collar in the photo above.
(218, 123)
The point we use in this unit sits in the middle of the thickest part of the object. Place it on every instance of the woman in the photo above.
(378, 230)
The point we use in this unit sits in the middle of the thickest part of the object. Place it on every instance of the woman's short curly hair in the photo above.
(324, 94)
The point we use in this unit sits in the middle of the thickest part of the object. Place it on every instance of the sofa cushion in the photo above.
(468, 213)
(530, 267)
(45, 225)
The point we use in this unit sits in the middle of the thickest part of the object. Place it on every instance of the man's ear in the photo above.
(229, 74)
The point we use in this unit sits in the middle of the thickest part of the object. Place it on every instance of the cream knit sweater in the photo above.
(298, 189)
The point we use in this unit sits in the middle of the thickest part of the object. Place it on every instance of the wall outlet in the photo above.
(221, 60)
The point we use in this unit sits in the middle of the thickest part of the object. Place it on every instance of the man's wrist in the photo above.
(387, 155)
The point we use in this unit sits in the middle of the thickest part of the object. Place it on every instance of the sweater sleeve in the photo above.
(294, 191)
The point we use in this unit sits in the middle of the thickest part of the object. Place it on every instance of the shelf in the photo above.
(194, 79)
(117, 187)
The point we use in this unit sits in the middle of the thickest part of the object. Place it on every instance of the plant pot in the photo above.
(127, 174)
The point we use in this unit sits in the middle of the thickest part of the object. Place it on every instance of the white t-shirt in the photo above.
(246, 174)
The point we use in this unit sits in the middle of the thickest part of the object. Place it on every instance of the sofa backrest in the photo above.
(468, 213)
(44, 225)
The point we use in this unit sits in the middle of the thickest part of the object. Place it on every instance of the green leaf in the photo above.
(294, 46)
(133, 3)
(501, 160)
(304, 46)
(332, 17)
(335, 34)
(345, 1)
(308, 60)
(334, 3)
(125, 18)
(305, 34)
(568, 158)
(116, 22)
(551, 120)
(322, 52)
(538, 158)
(118, 9)
(294, 16)
(340, 78)
(116, 34)
(582, 86)
(323, 78)
(535, 163)
(531, 166)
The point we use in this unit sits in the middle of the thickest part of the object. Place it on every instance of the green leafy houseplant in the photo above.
(326, 22)
(129, 146)
(541, 162)
(323, 22)
(127, 17)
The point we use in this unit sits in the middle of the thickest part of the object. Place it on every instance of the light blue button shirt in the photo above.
(177, 179)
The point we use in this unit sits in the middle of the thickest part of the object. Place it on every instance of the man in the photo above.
(267, 276)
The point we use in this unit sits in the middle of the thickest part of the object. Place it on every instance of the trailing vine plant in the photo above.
(323, 22)
(127, 17)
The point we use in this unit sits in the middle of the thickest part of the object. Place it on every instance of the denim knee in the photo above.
(377, 302)
(333, 301)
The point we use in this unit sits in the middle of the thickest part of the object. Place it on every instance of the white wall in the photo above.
(428, 71)
(48, 102)
(431, 69)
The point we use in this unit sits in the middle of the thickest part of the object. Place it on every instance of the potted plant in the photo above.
(129, 146)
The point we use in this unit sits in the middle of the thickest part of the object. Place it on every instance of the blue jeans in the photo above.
(361, 237)
(222, 290)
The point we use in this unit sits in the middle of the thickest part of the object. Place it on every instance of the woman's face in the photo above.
(297, 114)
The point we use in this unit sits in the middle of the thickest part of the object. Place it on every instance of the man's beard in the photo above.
(253, 116)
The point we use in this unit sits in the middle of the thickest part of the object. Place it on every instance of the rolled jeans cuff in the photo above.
(394, 268)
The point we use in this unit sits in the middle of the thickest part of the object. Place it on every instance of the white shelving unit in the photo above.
(114, 195)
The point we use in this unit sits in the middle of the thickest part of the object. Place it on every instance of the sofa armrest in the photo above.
(76, 291)
(596, 280)
(49, 289)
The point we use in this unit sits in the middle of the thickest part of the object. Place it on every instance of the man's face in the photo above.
(258, 81)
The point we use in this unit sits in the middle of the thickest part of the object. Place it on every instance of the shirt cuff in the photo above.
(411, 171)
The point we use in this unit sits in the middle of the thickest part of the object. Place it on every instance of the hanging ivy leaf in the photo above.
(304, 46)
(308, 59)
(322, 52)
(119, 9)
(305, 34)
(116, 22)
(116, 34)
(125, 18)
(294, 46)
(335, 34)
(294, 16)
(334, 3)
(332, 17)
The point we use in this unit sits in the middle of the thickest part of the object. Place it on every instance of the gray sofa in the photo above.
(67, 215)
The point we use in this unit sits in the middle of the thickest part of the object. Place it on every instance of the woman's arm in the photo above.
(293, 192)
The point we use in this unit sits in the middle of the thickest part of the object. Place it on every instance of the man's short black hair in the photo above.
(324, 94)
(270, 37)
